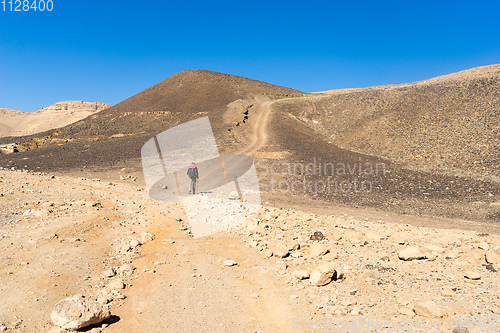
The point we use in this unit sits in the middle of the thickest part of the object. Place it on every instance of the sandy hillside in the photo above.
(18, 123)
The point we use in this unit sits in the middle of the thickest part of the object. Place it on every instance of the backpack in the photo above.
(192, 172)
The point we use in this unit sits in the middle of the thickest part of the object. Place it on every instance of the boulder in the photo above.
(411, 253)
(322, 275)
(76, 312)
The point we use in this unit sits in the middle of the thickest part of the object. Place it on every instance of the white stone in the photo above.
(322, 274)
(428, 309)
(230, 263)
(301, 274)
(492, 257)
(411, 253)
(472, 275)
(317, 250)
(373, 236)
(109, 273)
(484, 246)
(433, 248)
(146, 237)
(74, 313)
(406, 311)
(116, 285)
(280, 252)
(447, 292)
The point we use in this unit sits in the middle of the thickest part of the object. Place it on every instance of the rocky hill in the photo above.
(373, 147)
(449, 124)
(116, 135)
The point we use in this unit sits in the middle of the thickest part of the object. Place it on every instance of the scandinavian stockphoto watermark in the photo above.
(225, 189)
(318, 177)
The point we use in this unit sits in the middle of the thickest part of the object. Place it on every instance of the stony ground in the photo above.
(109, 242)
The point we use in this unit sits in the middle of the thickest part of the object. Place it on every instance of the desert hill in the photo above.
(7, 116)
(116, 135)
(19, 123)
(449, 124)
(383, 128)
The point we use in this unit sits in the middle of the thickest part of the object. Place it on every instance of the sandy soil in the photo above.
(180, 284)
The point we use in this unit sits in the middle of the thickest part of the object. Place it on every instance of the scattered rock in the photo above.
(373, 236)
(355, 239)
(448, 292)
(169, 240)
(116, 285)
(74, 313)
(428, 309)
(330, 256)
(398, 239)
(317, 236)
(134, 242)
(492, 257)
(281, 252)
(433, 248)
(484, 246)
(109, 273)
(411, 253)
(406, 311)
(146, 237)
(105, 298)
(472, 275)
(490, 268)
(125, 269)
(230, 263)
(317, 250)
(301, 274)
(323, 274)
(267, 253)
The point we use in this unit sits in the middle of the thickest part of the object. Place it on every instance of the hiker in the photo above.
(192, 173)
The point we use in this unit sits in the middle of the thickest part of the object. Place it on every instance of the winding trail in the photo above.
(259, 137)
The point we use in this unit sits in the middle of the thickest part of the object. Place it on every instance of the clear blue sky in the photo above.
(109, 50)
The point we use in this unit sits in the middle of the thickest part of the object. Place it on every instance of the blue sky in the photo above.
(107, 51)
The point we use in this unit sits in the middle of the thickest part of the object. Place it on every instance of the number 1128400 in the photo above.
(27, 5)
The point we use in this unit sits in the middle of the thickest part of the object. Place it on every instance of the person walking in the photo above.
(192, 173)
